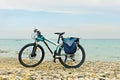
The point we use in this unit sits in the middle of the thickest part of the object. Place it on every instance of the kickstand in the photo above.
(65, 59)
(54, 56)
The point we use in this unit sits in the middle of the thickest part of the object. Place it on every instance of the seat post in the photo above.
(60, 36)
(58, 39)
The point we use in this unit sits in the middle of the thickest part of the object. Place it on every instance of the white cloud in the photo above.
(66, 6)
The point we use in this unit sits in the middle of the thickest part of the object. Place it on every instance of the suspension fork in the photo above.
(34, 49)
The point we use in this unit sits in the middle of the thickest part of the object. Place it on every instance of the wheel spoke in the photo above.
(28, 58)
(72, 60)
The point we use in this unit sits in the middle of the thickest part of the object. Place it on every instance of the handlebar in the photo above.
(37, 31)
(35, 34)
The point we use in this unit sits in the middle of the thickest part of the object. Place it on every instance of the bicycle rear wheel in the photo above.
(29, 57)
(72, 60)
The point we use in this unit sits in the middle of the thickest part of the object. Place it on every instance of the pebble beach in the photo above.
(11, 69)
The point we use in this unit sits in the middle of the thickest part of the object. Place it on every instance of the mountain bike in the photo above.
(33, 54)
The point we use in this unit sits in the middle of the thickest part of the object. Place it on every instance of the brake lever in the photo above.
(35, 30)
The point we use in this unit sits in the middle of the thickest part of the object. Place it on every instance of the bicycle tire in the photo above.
(73, 66)
(22, 52)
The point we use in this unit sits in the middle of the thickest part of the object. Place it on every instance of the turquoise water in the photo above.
(96, 49)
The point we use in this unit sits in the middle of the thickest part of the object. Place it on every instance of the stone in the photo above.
(118, 76)
(101, 78)
(69, 78)
(5, 78)
(96, 70)
(9, 73)
(3, 72)
(17, 78)
(30, 78)
(0, 78)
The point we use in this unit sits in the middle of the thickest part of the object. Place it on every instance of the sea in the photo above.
(95, 49)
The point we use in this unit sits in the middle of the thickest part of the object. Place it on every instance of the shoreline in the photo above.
(14, 54)
(11, 69)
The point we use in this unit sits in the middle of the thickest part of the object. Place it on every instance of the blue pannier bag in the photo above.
(69, 45)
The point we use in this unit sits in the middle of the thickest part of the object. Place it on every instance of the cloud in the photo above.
(65, 6)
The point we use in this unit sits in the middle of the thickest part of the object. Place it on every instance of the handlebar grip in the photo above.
(35, 30)
(38, 32)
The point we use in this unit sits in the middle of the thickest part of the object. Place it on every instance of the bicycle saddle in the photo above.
(60, 33)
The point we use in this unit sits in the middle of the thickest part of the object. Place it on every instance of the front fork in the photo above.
(33, 54)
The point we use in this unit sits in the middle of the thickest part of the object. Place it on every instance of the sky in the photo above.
(87, 19)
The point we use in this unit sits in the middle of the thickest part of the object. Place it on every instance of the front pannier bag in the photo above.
(69, 45)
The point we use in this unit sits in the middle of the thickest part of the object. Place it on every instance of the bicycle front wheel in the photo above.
(29, 57)
(72, 60)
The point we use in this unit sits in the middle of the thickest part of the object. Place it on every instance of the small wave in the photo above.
(18, 40)
(3, 51)
(118, 57)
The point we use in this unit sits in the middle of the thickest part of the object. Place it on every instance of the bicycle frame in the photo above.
(43, 39)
